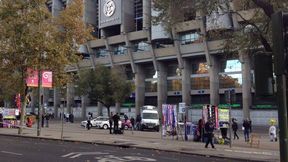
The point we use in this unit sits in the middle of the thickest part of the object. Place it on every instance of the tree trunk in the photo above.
(23, 114)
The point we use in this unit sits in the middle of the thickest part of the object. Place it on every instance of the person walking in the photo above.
(272, 131)
(132, 120)
(47, 117)
(88, 125)
(138, 121)
(42, 121)
(209, 129)
(235, 128)
(246, 128)
(110, 122)
(116, 125)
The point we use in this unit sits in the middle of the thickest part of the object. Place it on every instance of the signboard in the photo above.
(182, 108)
(32, 78)
(223, 115)
(110, 13)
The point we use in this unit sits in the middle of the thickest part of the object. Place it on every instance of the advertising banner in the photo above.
(169, 119)
(210, 112)
(32, 78)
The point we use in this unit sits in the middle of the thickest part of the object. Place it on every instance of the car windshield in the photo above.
(150, 116)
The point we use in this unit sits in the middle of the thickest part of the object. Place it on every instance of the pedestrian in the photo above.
(47, 117)
(110, 122)
(42, 121)
(200, 130)
(272, 131)
(138, 121)
(246, 128)
(224, 129)
(132, 120)
(235, 128)
(209, 129)
(116, 125)
(125, 118)
(88, 125)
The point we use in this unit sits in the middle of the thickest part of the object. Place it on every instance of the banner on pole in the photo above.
(32, 78)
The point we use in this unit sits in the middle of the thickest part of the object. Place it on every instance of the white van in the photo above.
(149, 118)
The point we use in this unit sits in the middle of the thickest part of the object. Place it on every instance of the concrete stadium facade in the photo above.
(188, 68)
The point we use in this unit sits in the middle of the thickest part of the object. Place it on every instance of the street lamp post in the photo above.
(39, 102)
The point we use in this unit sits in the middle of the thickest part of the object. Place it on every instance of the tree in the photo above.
(257, 29)
(104, 85)
(32, 38)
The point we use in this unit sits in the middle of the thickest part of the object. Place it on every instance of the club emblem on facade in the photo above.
(109, 8)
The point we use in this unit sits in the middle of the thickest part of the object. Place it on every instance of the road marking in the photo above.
(249, 152)
(13, 153)
(78, 154)
(72, 153)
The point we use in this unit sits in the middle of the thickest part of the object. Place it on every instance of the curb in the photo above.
(129, 146)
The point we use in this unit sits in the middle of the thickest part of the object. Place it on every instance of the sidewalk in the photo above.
(267, 151)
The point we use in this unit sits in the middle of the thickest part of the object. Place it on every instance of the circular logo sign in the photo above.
(109, 8)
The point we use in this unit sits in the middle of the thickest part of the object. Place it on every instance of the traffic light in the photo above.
(280, 42)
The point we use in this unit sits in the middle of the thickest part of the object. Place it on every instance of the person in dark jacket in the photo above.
(209, 129)
(88, 125)
(138, 121)
(110, 122)
(132, 120)
(247, 128)
(116, 121)
(235, 128)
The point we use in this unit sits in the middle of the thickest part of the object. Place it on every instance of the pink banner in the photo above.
(32, 78)
(47, 79)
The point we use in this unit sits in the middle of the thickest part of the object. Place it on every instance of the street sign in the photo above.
(182, 108)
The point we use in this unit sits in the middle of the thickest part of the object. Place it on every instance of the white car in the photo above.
(100, 122)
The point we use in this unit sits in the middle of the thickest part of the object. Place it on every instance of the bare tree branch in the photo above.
(263, 40)
(266, 6)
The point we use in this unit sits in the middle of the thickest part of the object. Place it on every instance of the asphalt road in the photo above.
(18, 149)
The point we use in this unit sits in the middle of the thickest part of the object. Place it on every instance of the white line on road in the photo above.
(13, 153)
(250, 152)
(75, 156)
(78, 154)
(72, 153)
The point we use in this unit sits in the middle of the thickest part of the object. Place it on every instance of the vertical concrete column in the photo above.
(161, 86)
(140, 88)
(214, 70)
(146, 14)
(186, 84)
(56, 101)
(246, 83)
(100, 109)
(70, 97)
(90, 12)
(83, 106)
(57, 7)
(118, 107)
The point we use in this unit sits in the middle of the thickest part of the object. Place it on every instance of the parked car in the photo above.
(100, 122)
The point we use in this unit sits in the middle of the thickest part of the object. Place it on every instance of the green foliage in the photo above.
(32, 38)
(251, 34)
(103, 84)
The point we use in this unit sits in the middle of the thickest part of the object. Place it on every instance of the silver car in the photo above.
(100, 122)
